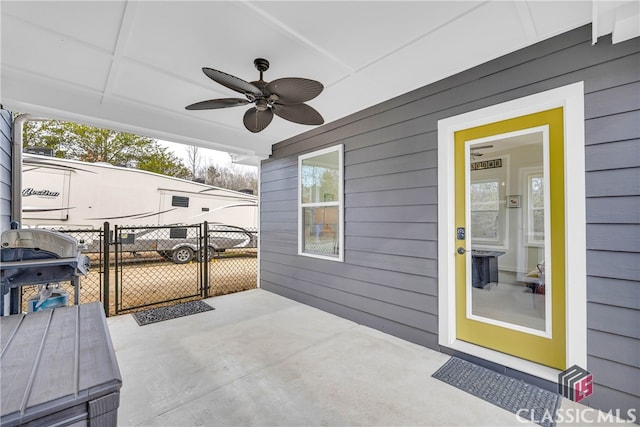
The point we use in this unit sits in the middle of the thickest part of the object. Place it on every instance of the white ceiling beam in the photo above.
(621, 19)
(124, 33)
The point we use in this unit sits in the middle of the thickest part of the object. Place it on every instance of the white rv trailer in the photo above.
(62, 193)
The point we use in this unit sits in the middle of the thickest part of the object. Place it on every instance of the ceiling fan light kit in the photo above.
(284, 97)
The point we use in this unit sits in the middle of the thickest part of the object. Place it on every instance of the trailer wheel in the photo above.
(182, 255)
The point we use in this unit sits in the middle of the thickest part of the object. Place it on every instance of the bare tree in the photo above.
(194, 160)
(232, 177)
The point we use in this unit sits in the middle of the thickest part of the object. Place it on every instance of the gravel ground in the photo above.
(148, 279)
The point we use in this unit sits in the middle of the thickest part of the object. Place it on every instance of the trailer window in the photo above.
(178, 233)
(180, 201)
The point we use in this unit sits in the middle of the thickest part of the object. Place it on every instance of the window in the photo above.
(180, 201)
(320, 210)
(535, 220)
(177, 233)
(485, 211)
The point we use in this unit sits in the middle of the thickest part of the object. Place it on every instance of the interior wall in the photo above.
(388, 279)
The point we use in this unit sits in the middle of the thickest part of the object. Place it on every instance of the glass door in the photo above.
(509, 215)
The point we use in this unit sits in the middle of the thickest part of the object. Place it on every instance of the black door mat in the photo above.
(171, 312)
(527, 401)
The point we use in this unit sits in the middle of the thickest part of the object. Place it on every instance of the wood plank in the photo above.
(613, 210)
(411, 265)
(614, 237)
(410, 299)
(608, 399)
(613, 155)
(278, 195)
(97, 364)
(279, 205)
(614, 292)
(399, 230)
(396, 279)
(612, 100)
(615, 348)
(398, 181)
(392, 165)
(409, 214)
(367, 152)
(415, 335)
(615, 265)
(283, 184)
(621, 377)
(616, 182)
(57, 371)
(19, 359)
(618, 127)
(392, 246)
(404, 315)
(614, 320)
(403, 197)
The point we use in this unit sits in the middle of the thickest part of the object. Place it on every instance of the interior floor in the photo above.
(510, 301)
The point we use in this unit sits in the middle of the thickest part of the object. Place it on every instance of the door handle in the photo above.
(462, 250)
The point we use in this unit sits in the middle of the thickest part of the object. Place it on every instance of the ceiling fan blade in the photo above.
(232, 82)
(213, 104)
(298, 113)
(294, 90)
(255, 120)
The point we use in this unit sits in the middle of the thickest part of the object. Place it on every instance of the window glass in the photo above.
(321, 229)
(485, 210)
(536, 208)
(320, 177)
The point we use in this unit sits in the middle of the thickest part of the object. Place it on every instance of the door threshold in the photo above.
(503, 363)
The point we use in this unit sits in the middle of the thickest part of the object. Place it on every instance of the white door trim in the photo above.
(571, 97)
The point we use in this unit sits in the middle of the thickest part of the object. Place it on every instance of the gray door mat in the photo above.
(527, 401)
(171, 312)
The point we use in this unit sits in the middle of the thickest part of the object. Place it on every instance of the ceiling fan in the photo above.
(475, 155)
(284, 97)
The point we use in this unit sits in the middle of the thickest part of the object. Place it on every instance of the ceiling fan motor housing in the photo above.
(261, 64)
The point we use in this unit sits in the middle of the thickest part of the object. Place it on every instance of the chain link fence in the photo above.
(91, 285)
(146, 267)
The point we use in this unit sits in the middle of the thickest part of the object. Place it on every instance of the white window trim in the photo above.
(571, 97)
(340, 149)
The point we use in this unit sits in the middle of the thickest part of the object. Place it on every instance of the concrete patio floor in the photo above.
(259, 359)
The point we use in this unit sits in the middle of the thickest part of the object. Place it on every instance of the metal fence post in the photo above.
(205, 260)
(105, 267)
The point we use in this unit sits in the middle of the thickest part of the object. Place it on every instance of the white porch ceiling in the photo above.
(134, 65)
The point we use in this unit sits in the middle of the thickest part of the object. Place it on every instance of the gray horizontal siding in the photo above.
(613, 210)
(5, 168)
(361, 317)
(614, 237)
(627, 348)
(274, 260)
(620, 126)
(616, 155)
(613, 182)
(388, 279)
(614, 265)
(619, 293)
(617, 376)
